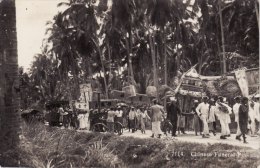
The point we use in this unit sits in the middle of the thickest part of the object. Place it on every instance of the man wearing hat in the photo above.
(172, 113)
(203, 111)
(235, 110)
(197, 123)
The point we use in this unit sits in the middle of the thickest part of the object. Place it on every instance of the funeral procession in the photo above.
(129, 83)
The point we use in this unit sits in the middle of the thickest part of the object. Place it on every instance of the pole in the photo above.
(99, 102)
(222, 38)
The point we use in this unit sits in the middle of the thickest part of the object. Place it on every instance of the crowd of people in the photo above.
(247, 116)
(160, 120)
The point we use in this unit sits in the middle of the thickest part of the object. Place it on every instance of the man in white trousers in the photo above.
(203, 112)
(223, 114)
(235, 110)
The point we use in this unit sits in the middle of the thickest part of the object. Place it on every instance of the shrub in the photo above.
(53, 147)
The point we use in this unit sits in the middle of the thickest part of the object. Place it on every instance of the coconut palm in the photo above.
(10, 118)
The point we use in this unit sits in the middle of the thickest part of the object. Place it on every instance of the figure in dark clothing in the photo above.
(172, 114)
(197, 121)
(243, 118)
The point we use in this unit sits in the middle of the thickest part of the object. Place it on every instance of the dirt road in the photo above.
(253, 142)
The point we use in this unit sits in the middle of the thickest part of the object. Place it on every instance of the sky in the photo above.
(31, 18)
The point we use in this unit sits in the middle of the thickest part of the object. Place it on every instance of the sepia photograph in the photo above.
(129, 84)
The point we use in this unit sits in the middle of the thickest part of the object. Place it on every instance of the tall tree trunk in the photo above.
(9, 99)
(165, 58)
(129, 56)
(257, 13)
(222, 38)
(152, 46)
(110, 62)
(103, 68)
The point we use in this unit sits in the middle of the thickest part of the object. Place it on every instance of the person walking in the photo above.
(223, 114)
(196, 120)
(143, 117)
(119, 124)
(138, 118)
(203, 112)
(172, 113)
(235, 111)
(253, 116)
(243, 118)
(211, 119)
(157, 114)
(110, 120)
(132, 118)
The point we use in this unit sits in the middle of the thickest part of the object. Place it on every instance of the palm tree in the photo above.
(10, 117)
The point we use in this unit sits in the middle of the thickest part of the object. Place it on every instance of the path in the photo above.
(253, 142)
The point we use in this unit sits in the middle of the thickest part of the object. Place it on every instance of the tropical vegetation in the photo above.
(113, 44)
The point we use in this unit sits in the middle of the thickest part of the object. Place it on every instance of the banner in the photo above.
(226, 87)
(85, 93)
(82, 106)
(242, 81)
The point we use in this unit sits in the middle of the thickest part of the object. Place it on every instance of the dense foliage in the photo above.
(43, 146)
(143, 42)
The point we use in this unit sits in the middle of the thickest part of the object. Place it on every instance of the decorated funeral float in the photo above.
(240, 82)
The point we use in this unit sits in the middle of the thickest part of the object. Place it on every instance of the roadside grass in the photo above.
(43, 146)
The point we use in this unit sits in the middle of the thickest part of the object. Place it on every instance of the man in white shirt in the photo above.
(203, 112)
(223, 114)
(235, 110)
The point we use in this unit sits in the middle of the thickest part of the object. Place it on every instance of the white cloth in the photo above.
(119, 113)
(227, 115)
(242, 81)
(110, 116)
(81, 118)
(252, 116)
(251, 113)
(257, 111)
(235, 110)
(156, 128)
(238, 129)
(212, 114)
(224, 118)
(86, 121)
(132, 114)
(203, 108)
(203, 111)
(224, 127)
(204, 119)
